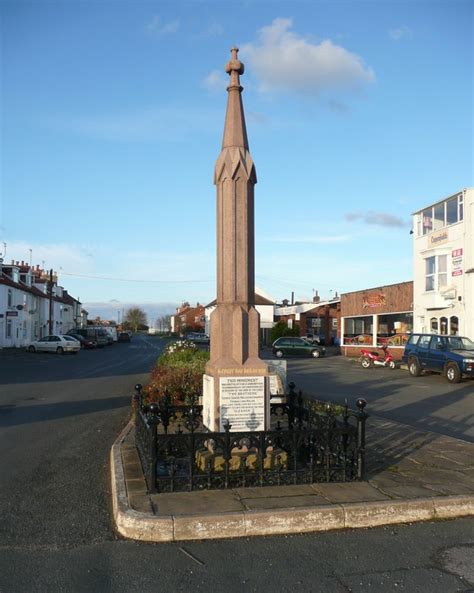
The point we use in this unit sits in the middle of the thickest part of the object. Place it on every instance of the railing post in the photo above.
(291, 404)
(345, 440)
(137, 400)
(153, 423)
(361, 418)
(227, 453)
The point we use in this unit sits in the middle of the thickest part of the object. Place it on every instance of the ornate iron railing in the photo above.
(308, 442)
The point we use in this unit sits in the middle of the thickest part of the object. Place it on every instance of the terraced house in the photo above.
(33, 305)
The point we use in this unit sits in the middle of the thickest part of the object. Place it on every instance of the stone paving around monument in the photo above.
(411, 475)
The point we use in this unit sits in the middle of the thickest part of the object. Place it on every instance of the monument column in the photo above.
(236, 379)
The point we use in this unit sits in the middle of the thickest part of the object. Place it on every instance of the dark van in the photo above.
(92, 333)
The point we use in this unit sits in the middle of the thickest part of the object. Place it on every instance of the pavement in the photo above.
(411, 475)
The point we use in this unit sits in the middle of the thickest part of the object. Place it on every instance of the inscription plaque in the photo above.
(242, 403)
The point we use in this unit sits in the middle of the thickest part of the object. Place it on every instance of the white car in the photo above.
(58, 344)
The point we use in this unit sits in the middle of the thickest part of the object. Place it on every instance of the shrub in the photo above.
(281, 329)
(178, 373)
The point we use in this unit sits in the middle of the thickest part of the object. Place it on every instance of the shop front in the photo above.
(377, 316)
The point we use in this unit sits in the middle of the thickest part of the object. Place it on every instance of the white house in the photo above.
(25, 305)
(444, 266)
(265, 305)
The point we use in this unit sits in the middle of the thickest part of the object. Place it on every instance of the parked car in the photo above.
(451, 355)
(98, 335)
(58, 344)
(85, 342)
(290, 346)
(312, 338)
(197, 338)
(124, 337)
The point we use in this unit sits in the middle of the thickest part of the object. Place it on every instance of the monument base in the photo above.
(242, 401)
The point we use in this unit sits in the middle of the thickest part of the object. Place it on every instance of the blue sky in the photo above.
(358, 114)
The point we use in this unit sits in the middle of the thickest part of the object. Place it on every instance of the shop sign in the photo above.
(438, 238)
(376, 299)
(12, 313)
(456, 262)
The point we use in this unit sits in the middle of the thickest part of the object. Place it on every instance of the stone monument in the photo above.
(236, 383)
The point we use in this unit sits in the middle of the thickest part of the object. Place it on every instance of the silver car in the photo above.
(58, 344)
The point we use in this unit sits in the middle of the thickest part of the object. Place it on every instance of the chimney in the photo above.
(316, 297)
(292, 298)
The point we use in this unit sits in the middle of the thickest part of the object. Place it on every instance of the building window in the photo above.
(433, 325)
(452, 211)
(443, 322)
(454, 325)
(441, 215)
(430, 267)
(8, 328)
(9, 298)
(436, 272)
(394, 328)
(438, 216)
(358, 330)
(427, 221)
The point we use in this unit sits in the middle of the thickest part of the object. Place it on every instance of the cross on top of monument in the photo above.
(234, 67)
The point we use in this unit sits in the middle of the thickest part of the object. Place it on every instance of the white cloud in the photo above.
(96, 273)
(401, 33)
(157, 27)
(384, 219)
(51, 255)
(215, 81)
(283, 60)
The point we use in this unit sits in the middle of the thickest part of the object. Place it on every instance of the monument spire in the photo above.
(235, 323)
(235, 131)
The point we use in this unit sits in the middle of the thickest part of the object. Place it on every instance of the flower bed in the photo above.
(177, 374)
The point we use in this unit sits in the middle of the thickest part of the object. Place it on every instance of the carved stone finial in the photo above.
(234, 67)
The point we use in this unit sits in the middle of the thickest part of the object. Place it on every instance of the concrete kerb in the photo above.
(128, 522)
(136, 525)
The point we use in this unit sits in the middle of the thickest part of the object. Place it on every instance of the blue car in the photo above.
(451, 355)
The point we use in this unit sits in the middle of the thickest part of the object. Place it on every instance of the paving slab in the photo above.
(193, 503)
(283, 502)
(411, 475)
(349, 492)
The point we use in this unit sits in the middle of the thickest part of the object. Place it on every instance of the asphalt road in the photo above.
(59, 416)
(428, 402)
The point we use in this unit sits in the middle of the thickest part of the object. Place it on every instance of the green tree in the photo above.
(135, 319)
(281, 329)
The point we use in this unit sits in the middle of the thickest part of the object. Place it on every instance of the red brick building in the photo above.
(376, 316)
(188, 319)
(319, 318)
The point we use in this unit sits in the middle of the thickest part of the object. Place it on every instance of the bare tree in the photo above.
(164, 323)
(135, 319)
